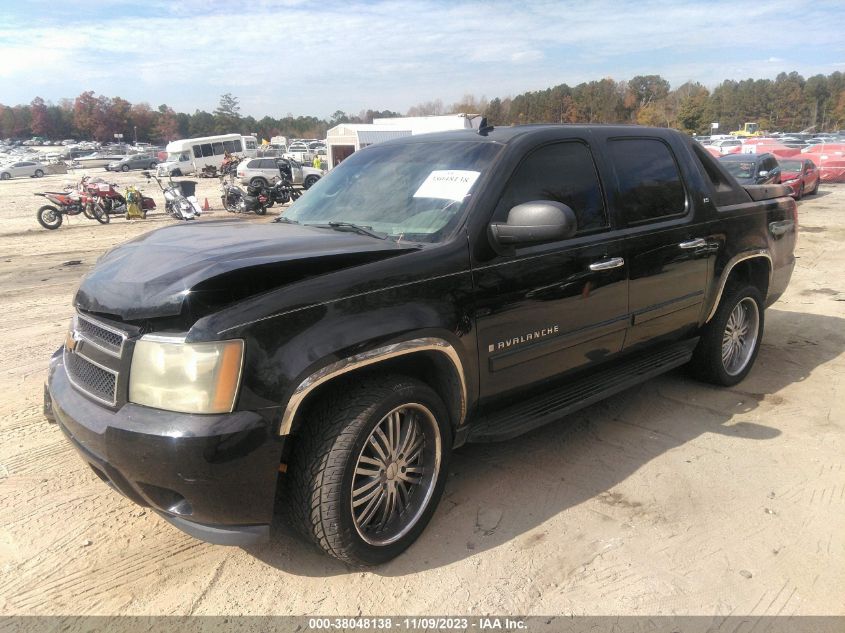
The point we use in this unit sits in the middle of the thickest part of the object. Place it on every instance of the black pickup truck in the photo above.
(430, 291)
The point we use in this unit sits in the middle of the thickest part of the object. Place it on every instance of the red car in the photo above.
(799, 174)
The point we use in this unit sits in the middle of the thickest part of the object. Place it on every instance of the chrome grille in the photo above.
(106, 338)
(98, 382)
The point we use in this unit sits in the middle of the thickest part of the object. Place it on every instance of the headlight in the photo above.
(168, 373)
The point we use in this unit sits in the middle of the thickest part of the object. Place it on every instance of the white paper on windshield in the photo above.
(447, 184)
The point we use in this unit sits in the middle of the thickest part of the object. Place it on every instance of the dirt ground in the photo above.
(671, 498)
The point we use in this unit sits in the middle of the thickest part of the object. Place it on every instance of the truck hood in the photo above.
(207, 265)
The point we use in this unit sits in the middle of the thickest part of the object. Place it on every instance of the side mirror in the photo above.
(533, 222)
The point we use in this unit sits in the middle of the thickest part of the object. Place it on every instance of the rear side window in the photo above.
(218, 148)
(206, 150)
(649, 186)
(254, 164)
(561, 172)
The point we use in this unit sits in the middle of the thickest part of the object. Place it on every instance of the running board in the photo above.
(550, 406)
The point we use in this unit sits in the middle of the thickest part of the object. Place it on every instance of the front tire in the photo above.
(100, 214)
(370, 467)
(816, 187)
(39, 173)
(730, 342)
(124, 168)
(49, 217)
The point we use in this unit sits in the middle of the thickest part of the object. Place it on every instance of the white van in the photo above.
(190, 155)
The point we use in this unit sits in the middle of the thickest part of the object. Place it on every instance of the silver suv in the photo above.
(262, 171)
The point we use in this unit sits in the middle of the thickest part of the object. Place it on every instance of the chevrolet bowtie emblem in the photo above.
(71, 340)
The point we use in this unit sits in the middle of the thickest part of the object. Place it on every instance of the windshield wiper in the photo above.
(282, 218)
(357, 228)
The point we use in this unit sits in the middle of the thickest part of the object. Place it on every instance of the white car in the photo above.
(28, 168)
(726, 146)
(262, 171)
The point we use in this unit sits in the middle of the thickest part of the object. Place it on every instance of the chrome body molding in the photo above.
(723, 279)
(372, 357)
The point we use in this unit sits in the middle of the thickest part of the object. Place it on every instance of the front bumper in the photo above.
(213, 476)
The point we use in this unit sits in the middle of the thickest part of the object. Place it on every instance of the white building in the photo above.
(346, 138)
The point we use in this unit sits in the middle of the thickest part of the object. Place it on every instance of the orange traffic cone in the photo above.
(205, 206)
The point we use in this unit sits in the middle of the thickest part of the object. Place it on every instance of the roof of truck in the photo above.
(506, 134)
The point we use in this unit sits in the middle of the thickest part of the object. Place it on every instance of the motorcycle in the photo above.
(235, 200)
(68, 203)
(180, 200)
(259, 198)
(106, 196)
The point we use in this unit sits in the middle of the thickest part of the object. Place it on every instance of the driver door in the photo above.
(549, 308)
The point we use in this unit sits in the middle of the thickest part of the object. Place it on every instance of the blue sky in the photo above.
(315, 57)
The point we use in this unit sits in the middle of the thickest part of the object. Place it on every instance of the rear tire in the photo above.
(258, 182)
(800, 192)
(369, 468)
(49, 217)
(5, 175)
(124, 168)
(176, 172)
(309, 182)
(730, 342)
(39, 173)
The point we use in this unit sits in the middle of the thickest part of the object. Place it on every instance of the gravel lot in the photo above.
(671, 498)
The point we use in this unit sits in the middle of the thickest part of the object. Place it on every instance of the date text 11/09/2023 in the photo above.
(418, 623)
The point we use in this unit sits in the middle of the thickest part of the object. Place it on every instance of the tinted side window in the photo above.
(229, 146)
(197, 151)
(648, 183)
(237, 145)
(562, 172)
(218, 149)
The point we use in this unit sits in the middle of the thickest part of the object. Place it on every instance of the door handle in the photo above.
(696, 243)
(608, 264)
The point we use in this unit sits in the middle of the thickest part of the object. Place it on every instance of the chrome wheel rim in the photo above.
(740, 336)
(395, 474)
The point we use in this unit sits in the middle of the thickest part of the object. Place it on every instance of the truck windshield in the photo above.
(410, 191)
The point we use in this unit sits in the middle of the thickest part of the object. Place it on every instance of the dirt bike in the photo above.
(69, 202)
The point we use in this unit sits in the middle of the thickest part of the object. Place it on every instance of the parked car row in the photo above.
(801, 175)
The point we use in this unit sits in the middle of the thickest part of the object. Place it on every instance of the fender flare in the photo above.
(726, 273)
(373, 357)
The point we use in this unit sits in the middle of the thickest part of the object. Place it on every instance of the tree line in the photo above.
(789, 103)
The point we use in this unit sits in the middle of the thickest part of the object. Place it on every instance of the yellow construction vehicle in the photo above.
(748, 129)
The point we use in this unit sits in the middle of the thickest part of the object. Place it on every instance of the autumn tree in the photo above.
(41, 124)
